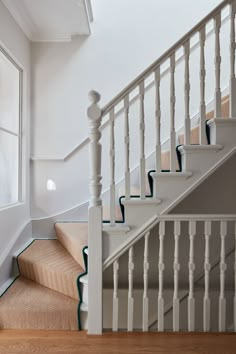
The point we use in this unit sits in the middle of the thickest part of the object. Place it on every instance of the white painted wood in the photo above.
(223, 267)
(232, 84)
(235, 282)
(127, 147)
(158, 119)
(202, 39)
(147, 72)
(94, 118)
(50, 21)
(161, 266)
(187, 123)
(112, 169)
(115, 317)
(177, 226)
(217, 23)
(207, 268)
(145, 283)
(172, 114)
(191, 300)
(95, 218)
(142, 143)
(130, 326)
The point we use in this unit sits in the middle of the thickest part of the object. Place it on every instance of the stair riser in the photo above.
(137, 215)
(220, 130)
(199, 162)
(85, 293)
(55, 281)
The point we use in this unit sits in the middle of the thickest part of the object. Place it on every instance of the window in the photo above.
(10, 131)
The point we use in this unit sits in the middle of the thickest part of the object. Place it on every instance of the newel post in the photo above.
(95, 218)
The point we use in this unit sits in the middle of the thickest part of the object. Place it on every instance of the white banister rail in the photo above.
(223, 225)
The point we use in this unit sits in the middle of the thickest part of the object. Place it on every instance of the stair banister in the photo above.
(129, 88)
(95, 218)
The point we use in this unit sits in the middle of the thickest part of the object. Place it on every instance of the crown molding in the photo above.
(21, 14)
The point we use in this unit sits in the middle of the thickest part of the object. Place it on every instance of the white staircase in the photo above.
(142, 214)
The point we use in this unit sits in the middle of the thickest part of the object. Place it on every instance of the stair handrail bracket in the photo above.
(95, 217)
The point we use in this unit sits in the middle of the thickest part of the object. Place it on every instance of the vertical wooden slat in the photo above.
(187, 123)
(176, 278)
(202, 33)
(127, 147)
(223, 267)
(115, 317)
(112, 168)
(235, 280)
(161, 271)
(207, 268)
(172, 115)
(191, 300)
(232, 85)
(158, 119)
(217, 22)
(130, 292)
(142, 142)
(145, 284)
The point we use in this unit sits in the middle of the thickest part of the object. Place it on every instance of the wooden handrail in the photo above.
(163, 57)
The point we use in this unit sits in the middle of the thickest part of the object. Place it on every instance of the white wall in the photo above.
(12, 219)
(127, 36)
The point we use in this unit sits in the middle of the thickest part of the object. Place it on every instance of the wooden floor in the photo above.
(45, 342)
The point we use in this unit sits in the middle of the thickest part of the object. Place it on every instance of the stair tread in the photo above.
(28, 305)
(74, 237)
(46, 262)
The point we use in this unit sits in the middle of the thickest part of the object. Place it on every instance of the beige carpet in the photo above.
(46, 262)
(73, 237)
(27, 305)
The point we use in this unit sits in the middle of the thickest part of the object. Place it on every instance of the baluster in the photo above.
(202, 87)
(142, 142)
(207, 268)
(223, 267)
(176, 278)
(130, 293)
(158, 119)
(187, 94)
(112, 169)
(217, 66)
(172, 114)
(191, 300)
(232, 61)
(161, 271)
(127, 142)
(115, 297)
(235, 282)
(145, 284)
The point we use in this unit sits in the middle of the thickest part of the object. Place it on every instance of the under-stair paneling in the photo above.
(215, 195)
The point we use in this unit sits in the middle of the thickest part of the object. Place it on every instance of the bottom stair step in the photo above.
(27, 305)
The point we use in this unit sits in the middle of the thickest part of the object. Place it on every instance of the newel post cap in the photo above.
(94, 96)
(94, 111)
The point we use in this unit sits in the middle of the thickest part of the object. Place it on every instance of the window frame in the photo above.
(19, 135)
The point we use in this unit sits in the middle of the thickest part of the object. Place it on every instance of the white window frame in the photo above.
(19, 135)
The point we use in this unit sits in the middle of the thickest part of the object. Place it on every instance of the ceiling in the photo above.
(51, 20)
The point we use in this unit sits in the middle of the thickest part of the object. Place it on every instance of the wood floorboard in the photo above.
(44, 342)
